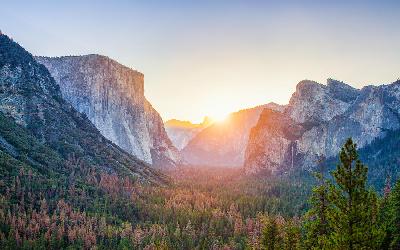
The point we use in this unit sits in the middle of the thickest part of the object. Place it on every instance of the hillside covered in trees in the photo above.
(202, 209)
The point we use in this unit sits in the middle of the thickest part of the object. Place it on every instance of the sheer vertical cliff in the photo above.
(112, 97)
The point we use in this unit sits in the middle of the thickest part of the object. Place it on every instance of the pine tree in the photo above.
(317, 225)
(354, 208)
(394, 221)
(384, 215)
(291, 237)
(270, 235)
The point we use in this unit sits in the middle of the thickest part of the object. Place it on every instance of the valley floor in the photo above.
(198, 208)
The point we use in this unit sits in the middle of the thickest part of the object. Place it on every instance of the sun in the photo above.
(218, 112)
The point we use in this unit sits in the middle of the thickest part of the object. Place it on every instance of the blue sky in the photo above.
(212, 57)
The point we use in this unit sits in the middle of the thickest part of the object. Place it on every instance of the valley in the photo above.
(86, 162)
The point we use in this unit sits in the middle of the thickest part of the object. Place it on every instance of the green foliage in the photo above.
(344, 214)
(271, 238)
(317, 225)
(382, 155)
(30, 95)
(203, 208)
(114, 212)
(394, 217)
(64, 186)
(354, 215)
(292, 235)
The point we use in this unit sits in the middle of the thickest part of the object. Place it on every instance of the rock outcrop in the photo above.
(112, 97)
(324, 117)
(276, 151)
(224, 143)
(39, 128)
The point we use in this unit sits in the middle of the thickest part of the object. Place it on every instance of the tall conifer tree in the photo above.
(343, 212)
(354, 208)
(394, 203)
(317, 224)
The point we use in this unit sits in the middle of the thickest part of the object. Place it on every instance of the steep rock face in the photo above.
(329, 115)
(224, 144)
(278, 150)
(112, 97)
(32, 105)
(163, 153)
(181, 132)
(313, 102)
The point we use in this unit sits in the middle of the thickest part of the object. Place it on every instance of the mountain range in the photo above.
(93, 110)
(181, 132)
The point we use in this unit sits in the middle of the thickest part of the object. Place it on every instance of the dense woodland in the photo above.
(202, 208)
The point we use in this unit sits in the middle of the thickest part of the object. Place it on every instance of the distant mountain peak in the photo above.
(207, 121)
(308, 84)
(181, 132)
(224, 144)
(180, 123)
(275, 106)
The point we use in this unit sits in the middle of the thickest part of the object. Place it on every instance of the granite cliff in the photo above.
(316, 123)
(42, 132)
(112, 97)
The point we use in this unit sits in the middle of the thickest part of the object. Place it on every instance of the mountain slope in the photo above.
(382, 157)
(112, 97)
(181, 132)
(31, 97)
(328, 115)
(224, 144)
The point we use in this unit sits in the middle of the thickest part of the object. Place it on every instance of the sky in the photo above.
(213, 57)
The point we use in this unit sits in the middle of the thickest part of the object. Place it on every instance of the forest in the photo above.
(200, 125)
(199, 208)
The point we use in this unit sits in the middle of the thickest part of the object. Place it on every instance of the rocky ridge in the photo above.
(323, 116)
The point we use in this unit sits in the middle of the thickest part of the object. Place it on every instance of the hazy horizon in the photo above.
(213, 58)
